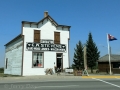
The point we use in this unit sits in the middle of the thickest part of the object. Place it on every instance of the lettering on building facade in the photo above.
(45, 46)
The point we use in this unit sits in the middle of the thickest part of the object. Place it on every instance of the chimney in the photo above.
(45, 13)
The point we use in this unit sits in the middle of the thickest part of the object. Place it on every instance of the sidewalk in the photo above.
(40, 78)
(54, 76)
(63, 76)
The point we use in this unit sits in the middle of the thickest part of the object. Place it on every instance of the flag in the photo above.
(111, 38)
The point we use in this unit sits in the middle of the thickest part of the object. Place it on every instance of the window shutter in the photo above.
(57, 37)
(37, 36)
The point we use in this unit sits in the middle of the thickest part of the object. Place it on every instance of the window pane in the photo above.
(38, 59)
(116, 65)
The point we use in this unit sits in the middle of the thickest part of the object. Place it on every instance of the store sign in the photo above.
(46, 41)
(30, 46)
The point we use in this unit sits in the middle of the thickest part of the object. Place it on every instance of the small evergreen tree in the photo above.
(92, 53)
(78, 57)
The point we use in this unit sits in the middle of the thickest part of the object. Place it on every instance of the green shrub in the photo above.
(1, 70)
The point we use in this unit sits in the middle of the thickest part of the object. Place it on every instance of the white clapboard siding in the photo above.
(47, 30)
(14, 55)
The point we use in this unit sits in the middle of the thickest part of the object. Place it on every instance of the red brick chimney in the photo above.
(45, 13)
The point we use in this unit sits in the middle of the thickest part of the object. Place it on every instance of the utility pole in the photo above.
(85, 62)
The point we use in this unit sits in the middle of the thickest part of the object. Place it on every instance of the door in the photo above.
(59, 61)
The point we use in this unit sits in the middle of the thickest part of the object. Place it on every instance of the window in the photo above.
(6, 62)
(59, 55)
(38, 59)
(37, 36)
(57, 37)
(116, 65)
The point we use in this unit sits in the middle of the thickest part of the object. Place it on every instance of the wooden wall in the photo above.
(104, 67)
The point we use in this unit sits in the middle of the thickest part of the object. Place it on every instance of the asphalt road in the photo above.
(84, 84)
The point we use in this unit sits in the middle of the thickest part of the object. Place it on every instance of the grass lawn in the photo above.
(8, 75)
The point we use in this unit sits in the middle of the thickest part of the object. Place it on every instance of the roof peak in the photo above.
(47, 17)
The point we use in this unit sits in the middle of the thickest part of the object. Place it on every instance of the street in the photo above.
(82, 84)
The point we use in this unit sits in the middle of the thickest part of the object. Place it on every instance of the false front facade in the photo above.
(41, 45)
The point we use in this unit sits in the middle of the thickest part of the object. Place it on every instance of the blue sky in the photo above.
(96, 16)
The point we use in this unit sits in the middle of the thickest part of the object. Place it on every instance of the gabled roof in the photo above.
(113, 58)
(48, 17)
(36, 23)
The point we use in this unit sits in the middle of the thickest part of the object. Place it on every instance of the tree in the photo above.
(78, 57)
(92, 52)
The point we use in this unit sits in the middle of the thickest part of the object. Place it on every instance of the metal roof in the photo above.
(19, 36)
(113, 58)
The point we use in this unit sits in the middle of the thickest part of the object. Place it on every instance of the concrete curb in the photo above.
(55, 77)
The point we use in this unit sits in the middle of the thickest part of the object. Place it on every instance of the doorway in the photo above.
(59, 61)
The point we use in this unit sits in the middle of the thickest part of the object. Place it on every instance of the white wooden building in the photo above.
(40, 45)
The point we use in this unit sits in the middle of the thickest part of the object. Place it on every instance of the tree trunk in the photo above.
(91, 70)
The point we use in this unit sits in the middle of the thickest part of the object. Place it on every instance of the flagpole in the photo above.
(109, 53)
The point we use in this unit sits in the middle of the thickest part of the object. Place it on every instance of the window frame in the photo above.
(6, 63)
(32, 59)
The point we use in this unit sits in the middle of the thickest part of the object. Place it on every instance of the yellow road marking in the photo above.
(100, 76)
